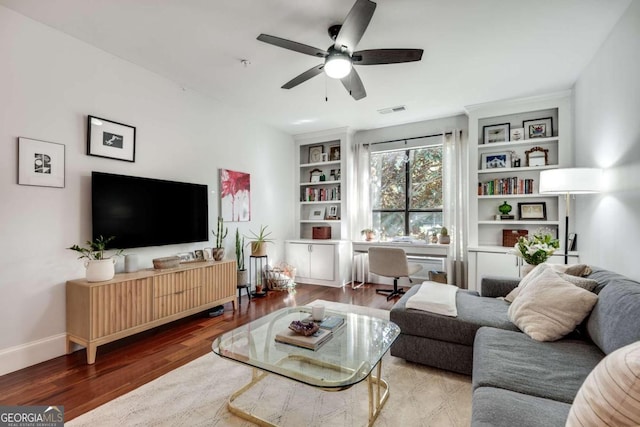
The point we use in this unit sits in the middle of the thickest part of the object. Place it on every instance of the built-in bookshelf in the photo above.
(505, 168)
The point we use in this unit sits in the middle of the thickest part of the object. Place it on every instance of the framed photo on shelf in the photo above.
(199, 254)
(317, 213)
(496, 133)
(537, 156)
(496, 160)
(111, 140)
(333, 212)
(314, 175)
(571, 244)
(186, 256)
(334, 152)
(207, 253)
(315, 153)
(538, 128)
(40, 163)
(532, 210)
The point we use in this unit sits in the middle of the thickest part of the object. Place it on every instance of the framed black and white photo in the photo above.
(315, 153)
(317, 213)
(333, 212)
(538, 128)
(496, 133)
(111, 140)
(186, 256)
(207, 253)
(40, 163)
(496, 160)
(334, 152)
(533, 210)
(199, 254)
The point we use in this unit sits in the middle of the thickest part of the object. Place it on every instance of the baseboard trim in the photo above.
(25, 355)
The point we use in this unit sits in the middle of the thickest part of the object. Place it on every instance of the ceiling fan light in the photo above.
(337, 66)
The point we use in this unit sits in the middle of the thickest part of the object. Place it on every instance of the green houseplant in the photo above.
(536, 248)
(241, 271)
(444, 238)
(259, 240)
(99, 267)
(220, 234)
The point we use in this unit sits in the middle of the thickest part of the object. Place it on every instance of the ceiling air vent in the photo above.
(392, 109)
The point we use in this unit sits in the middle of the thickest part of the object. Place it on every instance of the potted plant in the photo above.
(241, 271)
(220, 234)
(535, 249)
(434, 235)
(259, 240)
(368, 234)
(99, 268)
(444, 238)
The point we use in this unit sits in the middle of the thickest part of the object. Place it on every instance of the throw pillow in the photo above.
(550, 307)
(610, 396)
(581, 282)
(580, 270)
(531, 276)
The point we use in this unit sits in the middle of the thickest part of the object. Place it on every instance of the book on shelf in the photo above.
(311, 342)
(505, 186)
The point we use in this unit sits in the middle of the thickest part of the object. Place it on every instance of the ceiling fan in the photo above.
(340, 57)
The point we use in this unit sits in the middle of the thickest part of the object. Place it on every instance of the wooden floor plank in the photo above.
(127, 364)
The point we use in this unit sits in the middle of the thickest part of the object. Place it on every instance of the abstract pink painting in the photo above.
(235, 195)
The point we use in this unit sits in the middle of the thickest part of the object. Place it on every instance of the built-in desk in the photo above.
(414, 250)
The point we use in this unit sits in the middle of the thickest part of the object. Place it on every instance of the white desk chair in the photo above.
(391, 262)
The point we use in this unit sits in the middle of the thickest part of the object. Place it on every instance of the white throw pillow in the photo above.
(531, 276)
(610, 396)
(550, 307)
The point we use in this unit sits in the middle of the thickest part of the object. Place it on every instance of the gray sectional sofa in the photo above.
(517, 380)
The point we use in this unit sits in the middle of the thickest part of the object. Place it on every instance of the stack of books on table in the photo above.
(328, 326)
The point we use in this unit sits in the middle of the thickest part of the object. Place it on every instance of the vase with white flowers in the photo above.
(536, 248)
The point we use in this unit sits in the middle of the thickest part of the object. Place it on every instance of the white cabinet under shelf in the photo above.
(497, 261)
(319, 262)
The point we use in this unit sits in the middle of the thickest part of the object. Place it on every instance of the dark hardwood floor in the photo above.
(126, 364)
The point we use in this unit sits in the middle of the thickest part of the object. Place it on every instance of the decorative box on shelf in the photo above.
(321, 232)
(510, 237)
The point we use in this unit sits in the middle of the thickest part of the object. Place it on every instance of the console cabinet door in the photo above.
(120, 306)
(298, 256)
(176, 292)
(322, 262)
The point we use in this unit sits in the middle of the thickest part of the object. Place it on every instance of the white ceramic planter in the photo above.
(99, 270)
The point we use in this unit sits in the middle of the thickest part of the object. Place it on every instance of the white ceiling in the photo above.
(475, 51)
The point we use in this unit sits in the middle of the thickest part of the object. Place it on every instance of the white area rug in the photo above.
(196, 395)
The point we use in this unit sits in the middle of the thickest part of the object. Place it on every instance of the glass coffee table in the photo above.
(347, 358)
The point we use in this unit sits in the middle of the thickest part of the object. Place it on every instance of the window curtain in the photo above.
(454, 210)
(360, 213)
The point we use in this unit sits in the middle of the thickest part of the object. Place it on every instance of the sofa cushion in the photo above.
(611, 393)
(513, 361)
(550, 307)
(614, 320)
(473, 312)
(497, 407)
(570, 273)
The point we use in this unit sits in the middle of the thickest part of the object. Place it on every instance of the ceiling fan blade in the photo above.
(354, 85)
(312, 72)
(291, 45)
(386, 56)
(355, 25)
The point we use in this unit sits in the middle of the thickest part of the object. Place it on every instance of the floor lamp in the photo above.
(567, 182)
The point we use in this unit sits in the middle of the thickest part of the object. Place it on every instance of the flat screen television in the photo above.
(148, 212)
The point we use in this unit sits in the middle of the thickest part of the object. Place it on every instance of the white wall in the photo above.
(49, 83)
(607, 120)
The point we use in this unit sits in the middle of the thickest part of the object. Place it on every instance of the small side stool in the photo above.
(246, 287)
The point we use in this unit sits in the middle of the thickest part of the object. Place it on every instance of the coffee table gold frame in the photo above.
(377, 397)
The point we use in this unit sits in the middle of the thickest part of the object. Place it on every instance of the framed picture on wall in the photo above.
(40, 163)
(111, 140)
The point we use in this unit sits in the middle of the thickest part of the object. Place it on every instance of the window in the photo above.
(406, 191)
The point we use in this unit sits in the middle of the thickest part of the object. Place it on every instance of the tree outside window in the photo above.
(406, 191)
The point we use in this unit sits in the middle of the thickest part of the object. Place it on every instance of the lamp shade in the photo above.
(570, 181)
